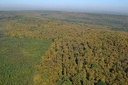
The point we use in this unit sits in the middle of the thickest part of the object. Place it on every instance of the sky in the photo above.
(115, 6)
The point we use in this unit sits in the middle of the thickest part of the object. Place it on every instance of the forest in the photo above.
(63, 48)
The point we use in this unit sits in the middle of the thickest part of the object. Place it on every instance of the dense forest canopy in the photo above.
(85, 48)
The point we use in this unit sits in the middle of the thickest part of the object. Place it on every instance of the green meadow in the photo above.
(18, 58)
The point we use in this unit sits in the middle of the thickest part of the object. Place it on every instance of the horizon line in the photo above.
(75, 11)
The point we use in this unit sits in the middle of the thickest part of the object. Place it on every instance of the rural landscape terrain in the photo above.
(63, 48)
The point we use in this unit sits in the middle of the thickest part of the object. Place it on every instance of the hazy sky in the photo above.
(120, 6)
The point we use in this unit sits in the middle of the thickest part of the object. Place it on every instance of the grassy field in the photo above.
(18, 58)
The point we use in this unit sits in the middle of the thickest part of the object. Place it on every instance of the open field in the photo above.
(18, 58)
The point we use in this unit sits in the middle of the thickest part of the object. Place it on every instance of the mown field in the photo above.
(63, 48)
